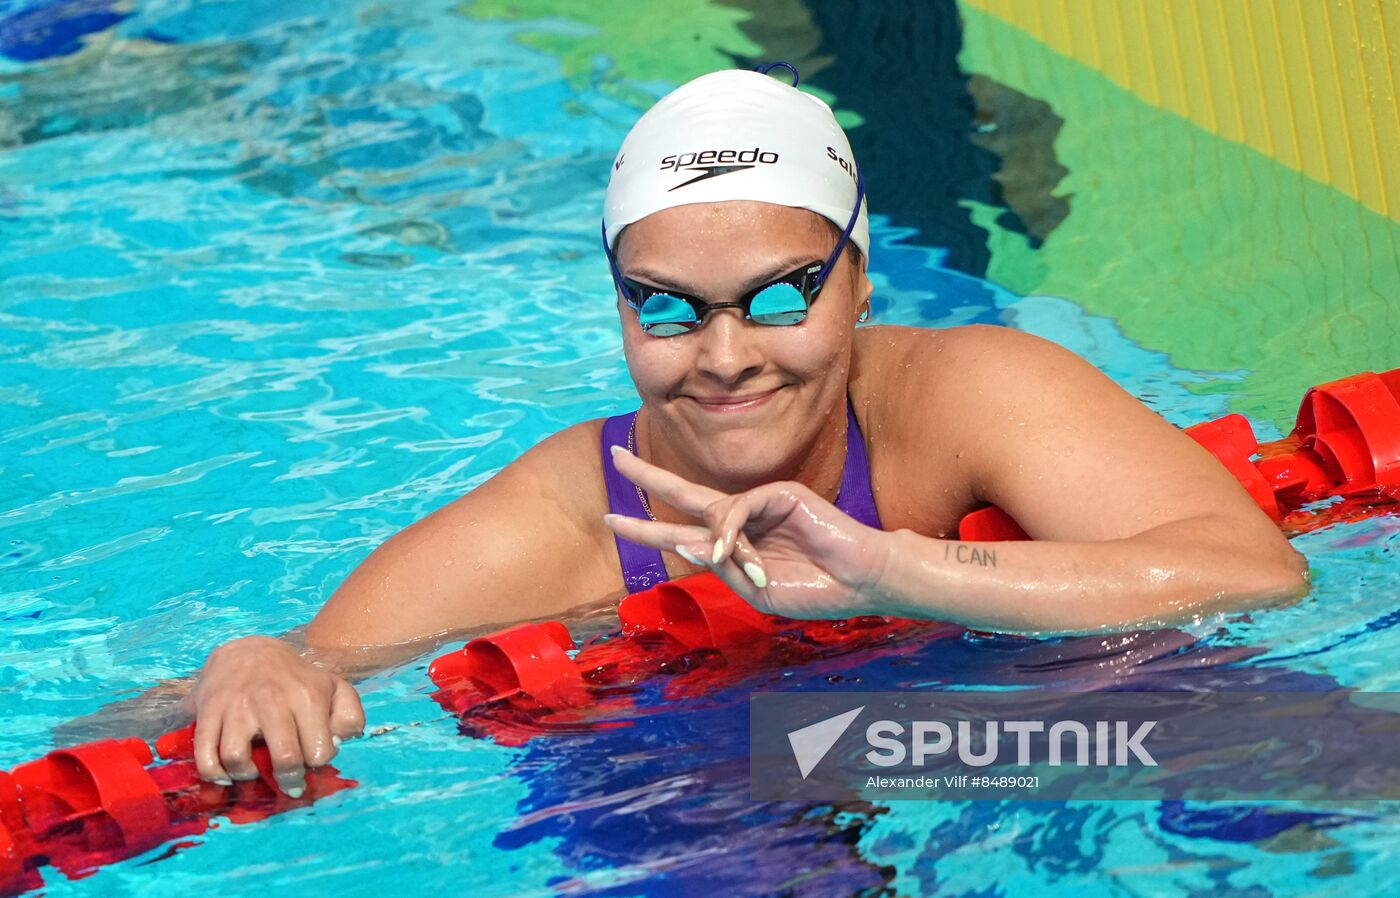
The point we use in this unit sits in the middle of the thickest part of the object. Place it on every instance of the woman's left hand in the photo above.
(780, 546)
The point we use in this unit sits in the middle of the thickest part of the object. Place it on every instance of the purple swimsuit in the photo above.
(642, 567)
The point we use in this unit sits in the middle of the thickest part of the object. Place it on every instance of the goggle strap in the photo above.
(845, 235)
(616, 274)
(766, 68)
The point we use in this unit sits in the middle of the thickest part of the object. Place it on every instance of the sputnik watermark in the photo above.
(1111, 742)
(1045, 745)
(811, 743)
(1117, 749)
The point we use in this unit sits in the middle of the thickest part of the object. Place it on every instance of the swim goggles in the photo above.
(664, 312)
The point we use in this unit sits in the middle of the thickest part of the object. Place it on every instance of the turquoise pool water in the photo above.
(277, 280)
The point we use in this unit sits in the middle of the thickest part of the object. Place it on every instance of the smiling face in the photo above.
(796, 374)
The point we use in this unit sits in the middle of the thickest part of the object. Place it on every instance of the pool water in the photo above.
(279, 279)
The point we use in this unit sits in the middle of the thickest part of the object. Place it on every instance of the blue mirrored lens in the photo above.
(665, 315)
(778, 304)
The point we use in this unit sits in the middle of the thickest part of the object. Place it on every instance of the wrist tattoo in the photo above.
(965, 554)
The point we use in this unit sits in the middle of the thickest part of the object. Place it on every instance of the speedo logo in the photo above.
(713, 163)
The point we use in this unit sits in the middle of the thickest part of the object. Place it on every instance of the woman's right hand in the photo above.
(260, 686)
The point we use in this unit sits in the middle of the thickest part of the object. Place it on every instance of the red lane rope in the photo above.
(81, 807)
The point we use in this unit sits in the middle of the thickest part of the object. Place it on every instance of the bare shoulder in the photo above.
(949, 371)
(1040, 428)
(968, 351)
(947, 351)
(555, 492)
(1000, 377)
(989, 349)
(919, 375)
(939, 405)
(567, 465)
(557, 486)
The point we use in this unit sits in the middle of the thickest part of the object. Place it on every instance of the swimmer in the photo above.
(818, 467)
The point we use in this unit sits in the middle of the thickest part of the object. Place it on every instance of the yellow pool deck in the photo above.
(1310, 83)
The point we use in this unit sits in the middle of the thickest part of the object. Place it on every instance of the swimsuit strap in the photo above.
(857, 498)
(643, 566)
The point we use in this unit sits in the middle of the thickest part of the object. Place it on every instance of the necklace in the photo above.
(632, 447)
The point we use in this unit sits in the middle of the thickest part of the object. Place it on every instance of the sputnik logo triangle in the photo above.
(811, 743)
(707, 172)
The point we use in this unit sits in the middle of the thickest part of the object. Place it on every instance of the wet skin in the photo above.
(953, 419)
(1134, 523)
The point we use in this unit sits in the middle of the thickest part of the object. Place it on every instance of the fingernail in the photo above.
(618, 449)
(685, 553)
(609, 518)
(295, 791)
(222, 781)
(756, 574)
(336, 741)
(718, 552)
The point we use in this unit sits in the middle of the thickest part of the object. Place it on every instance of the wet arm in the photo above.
(1133, 522)
(1161, 577)
(161, 708)
(483, 561)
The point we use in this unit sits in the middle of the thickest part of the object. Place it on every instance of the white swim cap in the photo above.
(735, 135)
